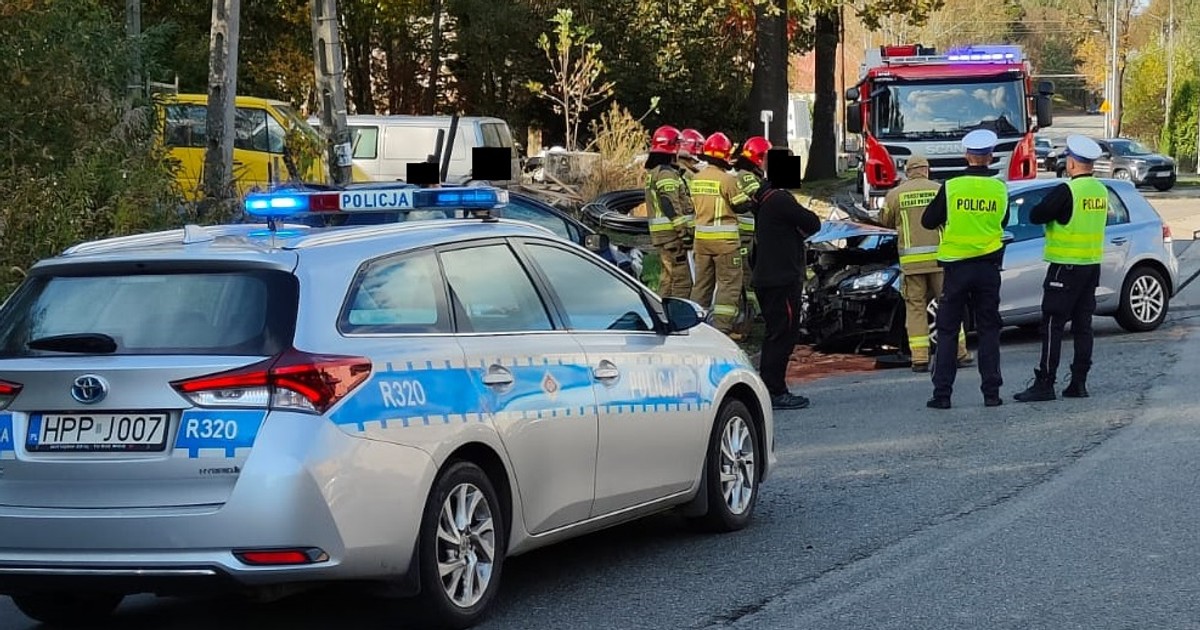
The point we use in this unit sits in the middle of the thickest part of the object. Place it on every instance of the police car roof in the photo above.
(255, 243)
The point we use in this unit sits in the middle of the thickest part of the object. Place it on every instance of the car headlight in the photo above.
(870, 281)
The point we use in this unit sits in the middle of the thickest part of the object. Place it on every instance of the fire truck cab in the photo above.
(911, 100)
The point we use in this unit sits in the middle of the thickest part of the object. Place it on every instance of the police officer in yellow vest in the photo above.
(921, 277)
(670, 212)
(971, 210)
(718, 201)
(1074, 214)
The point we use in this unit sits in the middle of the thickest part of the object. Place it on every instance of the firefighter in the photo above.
(670, 211)
(717, 201)
(1074, 214)
(971, 210)
(691, 144)
(749, 171)
(921, 277)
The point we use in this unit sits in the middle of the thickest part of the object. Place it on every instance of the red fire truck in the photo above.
(912, 100)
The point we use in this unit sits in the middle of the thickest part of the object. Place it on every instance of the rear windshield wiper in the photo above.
(86, 343)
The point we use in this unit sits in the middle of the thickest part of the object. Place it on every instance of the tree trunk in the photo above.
(435, 61)
(822, 155)
(769, 90)
(360, 75)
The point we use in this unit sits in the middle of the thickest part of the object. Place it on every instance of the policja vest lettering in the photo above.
(1081, 240)
(974, 213)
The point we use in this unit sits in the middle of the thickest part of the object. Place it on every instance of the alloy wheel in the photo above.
(466, 545)
(1146, 298)
(737, 465)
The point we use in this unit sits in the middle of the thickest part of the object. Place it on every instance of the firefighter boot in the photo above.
(1077, 388)
(1041, 390)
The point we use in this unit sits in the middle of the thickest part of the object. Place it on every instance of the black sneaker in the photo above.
(938, 403)
(993, 400)
(788, 401)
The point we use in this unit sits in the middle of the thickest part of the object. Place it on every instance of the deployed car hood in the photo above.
(838, 229)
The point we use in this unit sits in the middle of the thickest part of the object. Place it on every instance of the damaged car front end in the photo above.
(852, 300)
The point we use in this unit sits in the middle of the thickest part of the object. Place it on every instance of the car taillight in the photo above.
(293, 380)
(1167, 233)
(8, 391)
(1024, 160)
(277, 557)
(881, 171)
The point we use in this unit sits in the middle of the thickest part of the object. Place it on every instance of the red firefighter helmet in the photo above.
(691, 142)
(755, 149)
(718, 146)
(665, 140)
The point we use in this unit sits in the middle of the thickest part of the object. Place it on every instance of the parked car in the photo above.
(1044, 147)
(853, 300)
(264, 408)
(1131, 161)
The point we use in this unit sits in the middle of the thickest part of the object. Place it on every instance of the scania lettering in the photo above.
(910, 100)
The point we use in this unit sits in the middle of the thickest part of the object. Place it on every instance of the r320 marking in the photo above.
(210, 429)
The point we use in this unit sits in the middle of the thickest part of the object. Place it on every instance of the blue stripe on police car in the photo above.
(227, 430)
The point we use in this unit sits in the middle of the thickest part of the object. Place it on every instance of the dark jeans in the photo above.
(781, 311)
(1068, 294)
(974, 283)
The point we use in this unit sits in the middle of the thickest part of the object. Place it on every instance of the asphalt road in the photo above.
(1071, 514)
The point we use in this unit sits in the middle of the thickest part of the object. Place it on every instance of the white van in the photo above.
(384, 145)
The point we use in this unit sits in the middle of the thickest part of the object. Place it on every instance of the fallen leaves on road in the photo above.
(808, 365)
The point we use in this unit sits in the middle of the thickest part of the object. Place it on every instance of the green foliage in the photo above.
(1179, 137)
(79, 162)
(576, 68)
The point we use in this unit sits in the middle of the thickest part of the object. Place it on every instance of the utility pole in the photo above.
(1170, 65)
(222, 92)
(1115, 103)
(331, 87)
(133, 30)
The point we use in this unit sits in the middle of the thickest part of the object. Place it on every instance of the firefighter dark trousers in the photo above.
(675, 277)
(973, 283)
(780, 310)
(1068, 294)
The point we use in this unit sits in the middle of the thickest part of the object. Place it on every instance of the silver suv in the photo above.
(255, 407)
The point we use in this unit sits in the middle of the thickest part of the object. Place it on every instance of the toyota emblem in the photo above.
(89, 389)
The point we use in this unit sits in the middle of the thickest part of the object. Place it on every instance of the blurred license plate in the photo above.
(97, 432)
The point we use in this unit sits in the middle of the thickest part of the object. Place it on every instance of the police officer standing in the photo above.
(717, 201)
(670, 214)
(1074, 214)
(921, 277)
(971, 210)
(778, 277)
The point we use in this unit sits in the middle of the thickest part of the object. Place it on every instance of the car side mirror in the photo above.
(854, 118)
(596, 242)
(682, 314)
(1007, 237)
(852, 94)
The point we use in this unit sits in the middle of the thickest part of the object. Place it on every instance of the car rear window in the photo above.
(244, 312)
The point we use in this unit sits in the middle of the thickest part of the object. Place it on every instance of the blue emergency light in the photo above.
(290, 203)
(985, 53)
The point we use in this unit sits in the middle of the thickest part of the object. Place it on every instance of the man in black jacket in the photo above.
(781, 227)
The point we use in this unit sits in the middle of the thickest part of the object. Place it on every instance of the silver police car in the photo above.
(268, 407)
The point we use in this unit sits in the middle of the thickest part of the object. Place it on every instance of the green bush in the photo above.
(78, 158)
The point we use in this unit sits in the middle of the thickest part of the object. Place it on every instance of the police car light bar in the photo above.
(278, 205)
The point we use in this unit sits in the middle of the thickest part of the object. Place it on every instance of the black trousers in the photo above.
(974, 283)
(1068, 294)
(781, 311)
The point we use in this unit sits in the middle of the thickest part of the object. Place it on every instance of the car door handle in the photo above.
(606, 371)
(498, 376)
(1120, 240)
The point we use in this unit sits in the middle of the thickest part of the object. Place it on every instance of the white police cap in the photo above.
(1083, 148)
(980, 141)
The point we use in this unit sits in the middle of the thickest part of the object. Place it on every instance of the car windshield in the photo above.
(925, 110)
(246, 312)
(1129, 147)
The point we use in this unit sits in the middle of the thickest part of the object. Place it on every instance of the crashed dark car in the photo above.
(852, 300)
